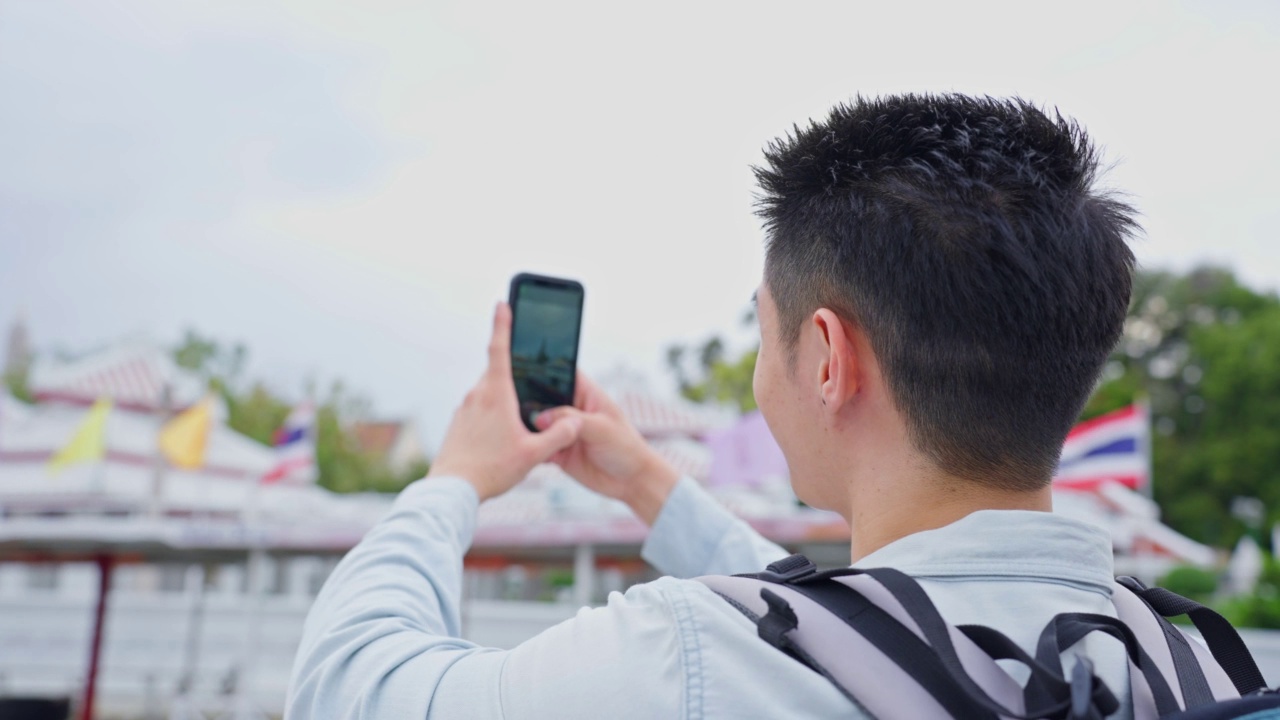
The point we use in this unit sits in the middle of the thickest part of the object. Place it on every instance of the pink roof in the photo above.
(689, 457)
(654, 416)
(133, 374)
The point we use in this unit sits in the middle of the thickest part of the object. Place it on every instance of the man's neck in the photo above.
(885, 509)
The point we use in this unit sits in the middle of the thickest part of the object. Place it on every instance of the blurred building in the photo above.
(212, 559)
(397, 443)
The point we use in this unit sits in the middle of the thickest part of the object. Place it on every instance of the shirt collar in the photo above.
(1005, 544)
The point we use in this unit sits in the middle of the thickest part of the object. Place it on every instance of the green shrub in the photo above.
(1256, 611)
(1193, 582)
(1261, 609)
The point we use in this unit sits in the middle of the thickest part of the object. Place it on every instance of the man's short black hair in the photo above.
(965, 236)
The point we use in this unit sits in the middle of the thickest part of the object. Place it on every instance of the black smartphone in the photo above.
(545, 324)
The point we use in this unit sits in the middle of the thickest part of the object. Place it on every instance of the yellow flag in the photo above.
(183, 439)
(89, 444)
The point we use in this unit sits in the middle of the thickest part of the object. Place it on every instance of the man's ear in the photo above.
(840, 374)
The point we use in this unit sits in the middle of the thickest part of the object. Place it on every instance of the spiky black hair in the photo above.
(967, 238)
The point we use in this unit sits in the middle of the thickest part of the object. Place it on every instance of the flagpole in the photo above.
(158, 460)
(1144, 407)
(244, 707)
(100, 472)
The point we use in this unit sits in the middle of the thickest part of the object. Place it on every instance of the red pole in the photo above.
(95, 649)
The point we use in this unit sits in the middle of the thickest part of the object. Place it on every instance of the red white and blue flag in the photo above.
(1109, 448)
(295, 445)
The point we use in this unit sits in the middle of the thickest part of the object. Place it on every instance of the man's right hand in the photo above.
(610, 456)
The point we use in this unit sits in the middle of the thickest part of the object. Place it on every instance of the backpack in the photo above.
(910, 663)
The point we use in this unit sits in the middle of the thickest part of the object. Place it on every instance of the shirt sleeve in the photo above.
(695, 535)
(381, 639)
(383, 631)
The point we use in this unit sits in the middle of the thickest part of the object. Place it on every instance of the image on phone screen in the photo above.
(547, 317)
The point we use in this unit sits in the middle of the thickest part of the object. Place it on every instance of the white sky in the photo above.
(347, 187)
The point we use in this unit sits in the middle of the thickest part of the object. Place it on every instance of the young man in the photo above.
(942, 286)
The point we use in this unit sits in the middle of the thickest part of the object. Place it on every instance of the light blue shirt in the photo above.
(381, 640)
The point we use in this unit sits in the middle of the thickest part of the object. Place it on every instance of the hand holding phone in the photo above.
(486, 444)
(610, 456)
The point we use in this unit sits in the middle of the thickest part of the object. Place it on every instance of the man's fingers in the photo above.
(546, 418)
(562, 456)
(500, 341)
(591, 428)
(559, 435)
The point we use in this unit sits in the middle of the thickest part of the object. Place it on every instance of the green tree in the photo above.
(715, 378)
(209, 358)
(17, 383)
(1205, 350)
(343, 465)
(256, 413)
(1226, 441)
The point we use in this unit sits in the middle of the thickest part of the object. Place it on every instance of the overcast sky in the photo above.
(347, 187)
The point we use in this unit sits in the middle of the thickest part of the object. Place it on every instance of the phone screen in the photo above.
(547, 317)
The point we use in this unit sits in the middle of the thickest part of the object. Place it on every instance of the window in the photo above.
(42, 576)
(173, 578)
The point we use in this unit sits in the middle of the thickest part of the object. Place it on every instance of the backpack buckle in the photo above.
(1132, 583)
(778, 621)
(1090, 697)
(789, 569)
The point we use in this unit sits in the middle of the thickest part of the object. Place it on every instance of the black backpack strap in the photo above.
(1223, 640)
(1068, 629)
(1196, 691)
(776, 634)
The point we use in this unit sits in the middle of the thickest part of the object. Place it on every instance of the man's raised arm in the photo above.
(382, 639)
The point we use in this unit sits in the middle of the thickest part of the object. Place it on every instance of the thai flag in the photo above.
(295, 448)
(1112, 447)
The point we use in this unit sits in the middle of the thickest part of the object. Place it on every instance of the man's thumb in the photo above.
(559, 435)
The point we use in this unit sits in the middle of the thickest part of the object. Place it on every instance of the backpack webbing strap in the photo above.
(794, 650)
(1223, 640)
(1186, 664)
(1067, 629)
(1047, 693)
(1081, 691)
(933, 661)
(1046, 686)
(953, 689)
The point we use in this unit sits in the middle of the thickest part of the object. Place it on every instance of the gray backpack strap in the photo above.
(910, 662)
(875, 682)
